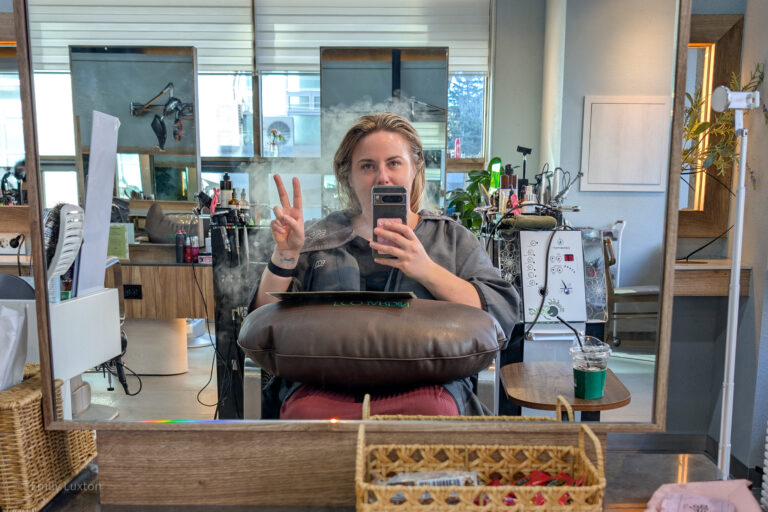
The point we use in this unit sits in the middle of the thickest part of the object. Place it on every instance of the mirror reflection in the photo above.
(698, 86)
(589, 210)
(13, 180)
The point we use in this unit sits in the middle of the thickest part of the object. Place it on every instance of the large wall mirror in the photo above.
(611, 49)
(12, 140)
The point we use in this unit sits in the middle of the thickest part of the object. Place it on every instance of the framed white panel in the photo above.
(625, 143)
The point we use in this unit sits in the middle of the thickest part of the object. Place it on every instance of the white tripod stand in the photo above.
(722, 99)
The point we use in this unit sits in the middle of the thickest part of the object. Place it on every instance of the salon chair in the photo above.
(624, 295)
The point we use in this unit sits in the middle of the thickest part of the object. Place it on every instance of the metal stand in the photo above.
(237, 252)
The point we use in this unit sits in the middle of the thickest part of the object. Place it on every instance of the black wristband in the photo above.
(279, 271)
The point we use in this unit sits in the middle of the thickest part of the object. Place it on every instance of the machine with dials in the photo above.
(555, 260)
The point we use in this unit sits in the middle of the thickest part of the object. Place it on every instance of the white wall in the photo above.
(754, 362)
(618, 48)
(517, 75)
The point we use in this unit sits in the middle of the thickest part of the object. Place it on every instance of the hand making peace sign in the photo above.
(288, 226)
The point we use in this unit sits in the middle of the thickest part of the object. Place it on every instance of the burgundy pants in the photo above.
(308, 403)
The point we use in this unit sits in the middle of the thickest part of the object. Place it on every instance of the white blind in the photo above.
(289, 33)
(221, 31)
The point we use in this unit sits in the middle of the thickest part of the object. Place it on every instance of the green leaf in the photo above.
(709, 160)
(699, 128)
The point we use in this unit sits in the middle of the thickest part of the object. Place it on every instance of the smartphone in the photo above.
(390, 204)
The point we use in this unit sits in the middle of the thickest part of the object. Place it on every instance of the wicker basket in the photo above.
(378, 462)
(35, 464)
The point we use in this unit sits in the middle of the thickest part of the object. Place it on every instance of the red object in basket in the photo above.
(537, 478)
(483, 499)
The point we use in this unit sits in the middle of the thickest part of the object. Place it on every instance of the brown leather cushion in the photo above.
(428, 342)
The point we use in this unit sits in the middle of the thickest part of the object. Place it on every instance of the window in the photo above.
(212, 179)
(11, 128)
(129, 176)
(466, 106)
(54, 117)
(59, 182)
(290, 111)
(226, 115)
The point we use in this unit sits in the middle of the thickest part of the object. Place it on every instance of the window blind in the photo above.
(289, 33)
(221, 31)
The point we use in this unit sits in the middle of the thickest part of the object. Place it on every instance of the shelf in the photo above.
(708, 278)
(14, 219)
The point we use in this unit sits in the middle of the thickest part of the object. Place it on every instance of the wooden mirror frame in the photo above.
(289, 462)
(725, 30)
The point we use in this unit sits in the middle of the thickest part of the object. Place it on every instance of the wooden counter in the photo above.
(708, 278)
(168, 291)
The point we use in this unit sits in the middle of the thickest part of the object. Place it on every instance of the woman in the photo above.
(432, 256)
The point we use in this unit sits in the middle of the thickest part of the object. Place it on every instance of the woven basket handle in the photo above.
(360, 458)
(366, 407)
(598, 448)
(561, 401)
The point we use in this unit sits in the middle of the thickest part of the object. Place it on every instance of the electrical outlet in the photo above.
(5, 244)
(132, 291)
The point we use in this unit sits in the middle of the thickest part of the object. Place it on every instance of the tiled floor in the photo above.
(163, 397)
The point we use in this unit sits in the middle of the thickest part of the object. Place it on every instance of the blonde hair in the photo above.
(366, 125)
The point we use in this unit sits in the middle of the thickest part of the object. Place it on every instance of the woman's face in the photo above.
(380, 158)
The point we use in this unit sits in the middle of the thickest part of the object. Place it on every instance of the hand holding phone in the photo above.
(390, 204)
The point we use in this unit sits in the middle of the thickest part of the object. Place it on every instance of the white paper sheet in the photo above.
(98, 204)
(13, 347)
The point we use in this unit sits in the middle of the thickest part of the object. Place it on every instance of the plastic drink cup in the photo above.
(590, 363)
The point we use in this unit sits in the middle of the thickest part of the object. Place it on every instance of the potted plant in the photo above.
(464, 201)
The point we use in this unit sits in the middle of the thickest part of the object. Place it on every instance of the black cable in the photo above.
(721, 235)
(726, 187)
(114, 374)
(227, 376)
(18, 252)
(137, 378)
(543, 290)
